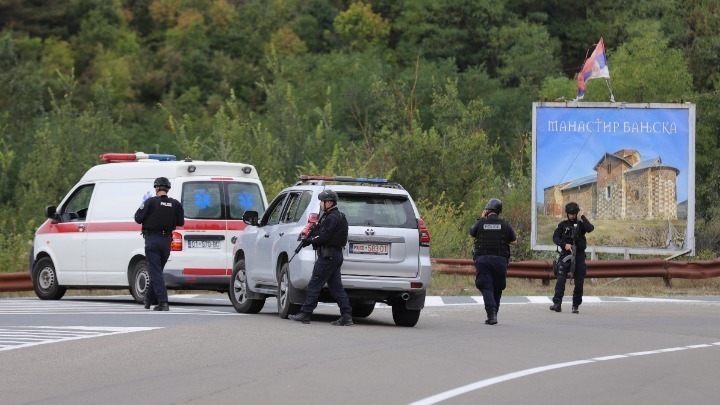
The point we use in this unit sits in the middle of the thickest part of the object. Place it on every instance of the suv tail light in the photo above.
(312, 220)
(424, 233)
(176, 243)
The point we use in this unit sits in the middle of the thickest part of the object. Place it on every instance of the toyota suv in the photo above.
(386, 259)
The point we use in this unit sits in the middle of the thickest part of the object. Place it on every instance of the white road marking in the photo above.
(443, 396)
(17, 337)
(38, 307)
(539, 300)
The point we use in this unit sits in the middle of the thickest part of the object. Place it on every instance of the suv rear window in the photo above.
(377, 210)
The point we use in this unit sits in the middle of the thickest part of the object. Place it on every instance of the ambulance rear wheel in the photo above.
(45, 281)
(139, 281)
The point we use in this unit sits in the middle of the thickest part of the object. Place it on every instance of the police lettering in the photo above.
(492, 226)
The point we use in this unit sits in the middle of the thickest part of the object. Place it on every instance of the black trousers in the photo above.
(579, 277)
(157, 252)
(491, 279)
(327, 270)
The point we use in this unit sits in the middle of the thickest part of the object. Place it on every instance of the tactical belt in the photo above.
(154, 232)
(327, 251)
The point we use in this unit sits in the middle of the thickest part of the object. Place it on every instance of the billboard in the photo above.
(630, 167)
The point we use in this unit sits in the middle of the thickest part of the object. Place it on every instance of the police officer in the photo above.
(563, 237)
(493, 237)
(328, 238)
(159, 216)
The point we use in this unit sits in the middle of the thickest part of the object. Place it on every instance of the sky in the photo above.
(564, 152)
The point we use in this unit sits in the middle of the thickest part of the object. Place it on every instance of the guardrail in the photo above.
(542, 270)
(667, 270)
(15, 282)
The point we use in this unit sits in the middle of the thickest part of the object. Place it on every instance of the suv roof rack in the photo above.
(305, 179)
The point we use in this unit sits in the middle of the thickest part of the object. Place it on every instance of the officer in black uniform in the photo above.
(328, 238)
(563, 238)
(493, 237)
(159, 216)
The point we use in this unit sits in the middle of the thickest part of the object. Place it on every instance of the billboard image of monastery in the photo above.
(630, 167)
(623, 187)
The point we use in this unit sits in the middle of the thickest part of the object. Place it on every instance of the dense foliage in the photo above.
(433, 94)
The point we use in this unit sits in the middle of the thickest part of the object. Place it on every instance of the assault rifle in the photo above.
(309, 232)
(573, 249)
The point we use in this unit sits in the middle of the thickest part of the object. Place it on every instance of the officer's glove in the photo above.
(306, 242)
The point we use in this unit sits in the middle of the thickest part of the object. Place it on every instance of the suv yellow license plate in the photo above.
(203, 244)
(370, 248)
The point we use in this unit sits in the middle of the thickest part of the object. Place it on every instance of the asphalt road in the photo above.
(97, 350)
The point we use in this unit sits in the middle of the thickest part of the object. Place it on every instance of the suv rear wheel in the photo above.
(404, 316)
(238, 292)
(285, 307)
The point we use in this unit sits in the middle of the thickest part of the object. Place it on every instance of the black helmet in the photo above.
(494, 205)
(572, 208)
(162, 182)
(328, 195)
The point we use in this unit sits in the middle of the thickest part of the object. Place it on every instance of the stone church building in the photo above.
(623, 187)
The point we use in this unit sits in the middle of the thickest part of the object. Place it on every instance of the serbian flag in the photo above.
(595, 66)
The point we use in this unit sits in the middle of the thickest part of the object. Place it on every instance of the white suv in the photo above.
(386, 259)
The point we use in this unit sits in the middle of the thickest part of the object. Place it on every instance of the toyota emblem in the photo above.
(369, 232)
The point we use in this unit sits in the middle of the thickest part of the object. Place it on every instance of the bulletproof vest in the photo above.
(162, 214)
(339, 236)
(492, 237)
(581, 242)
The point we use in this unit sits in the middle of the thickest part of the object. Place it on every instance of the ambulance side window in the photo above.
(76, 209)
(118, 201)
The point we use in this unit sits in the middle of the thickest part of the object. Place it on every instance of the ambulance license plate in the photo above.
(370, 248)
(204, 244)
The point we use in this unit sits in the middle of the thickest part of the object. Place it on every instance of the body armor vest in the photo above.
(492, 238)
(339, 236)
(161, 216)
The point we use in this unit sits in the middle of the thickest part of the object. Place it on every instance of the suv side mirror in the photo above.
(250, 217)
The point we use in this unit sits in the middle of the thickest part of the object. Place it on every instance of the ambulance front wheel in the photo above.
(139, 281)
(45, 281)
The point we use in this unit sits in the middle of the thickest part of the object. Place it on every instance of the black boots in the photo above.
(163, 306)
(575, 309)
(492, 316)
(344, 320)
(146, 304)
(301, 317)
(556, 307)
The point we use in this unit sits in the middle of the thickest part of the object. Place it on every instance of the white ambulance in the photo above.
(91, 239)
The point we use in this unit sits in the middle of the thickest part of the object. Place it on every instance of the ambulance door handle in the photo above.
(281, 234)
(267, 235)
(233, 240)
(81, 227)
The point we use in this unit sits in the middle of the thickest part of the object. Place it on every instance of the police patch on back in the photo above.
(494, 227)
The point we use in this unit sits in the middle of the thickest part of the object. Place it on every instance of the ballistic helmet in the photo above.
(572, 208)
(494, 205)
(162, 182)
(328, 195)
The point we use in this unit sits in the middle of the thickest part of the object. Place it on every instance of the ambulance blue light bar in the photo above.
(134, 157)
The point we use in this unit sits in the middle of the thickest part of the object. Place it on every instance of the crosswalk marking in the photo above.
(17, 337)
(67, 307)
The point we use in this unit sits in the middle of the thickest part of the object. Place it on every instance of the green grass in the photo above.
(632, 233)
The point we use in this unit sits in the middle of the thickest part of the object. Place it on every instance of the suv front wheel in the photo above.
(285, 307)
(238, 292)
(404, 316)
